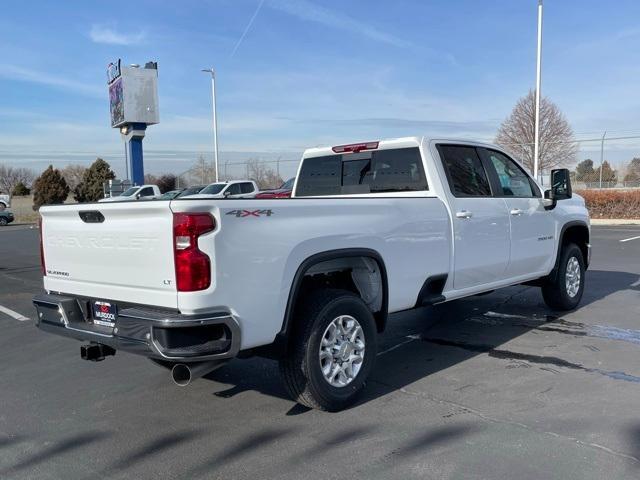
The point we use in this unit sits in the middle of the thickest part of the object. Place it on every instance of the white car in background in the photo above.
(230, 189)
(142, 192)
(5, 202)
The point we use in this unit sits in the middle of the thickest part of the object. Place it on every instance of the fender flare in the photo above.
(565, 227)
(281, 342)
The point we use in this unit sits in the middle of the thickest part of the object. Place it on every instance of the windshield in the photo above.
(191, 191)
(169, 194)
(129, 192)
(213, 188)
(288, 185)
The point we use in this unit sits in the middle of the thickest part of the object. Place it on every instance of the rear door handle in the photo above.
(516, 211)
(464, 214)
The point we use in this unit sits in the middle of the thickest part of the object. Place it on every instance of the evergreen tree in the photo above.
(585, 171)
(20, 190)
(608, 174)
(633, 171)
(90, 189)
(49, 188)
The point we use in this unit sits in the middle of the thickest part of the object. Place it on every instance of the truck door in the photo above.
(532, 227)
(480, 221)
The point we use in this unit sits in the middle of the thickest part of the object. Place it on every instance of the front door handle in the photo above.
(464, 214)
(516, 211)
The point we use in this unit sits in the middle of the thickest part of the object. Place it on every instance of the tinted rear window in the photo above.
(395, 170)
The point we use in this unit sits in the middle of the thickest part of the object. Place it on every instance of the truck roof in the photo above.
(402, 142)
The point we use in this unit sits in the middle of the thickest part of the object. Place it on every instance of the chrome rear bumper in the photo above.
(163, 335)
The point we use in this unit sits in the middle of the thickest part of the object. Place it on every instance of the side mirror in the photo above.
(226, 193)
(137, 196)
(560, 184)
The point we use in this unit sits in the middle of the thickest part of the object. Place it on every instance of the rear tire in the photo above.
(3, 221)
(333, 352)
(565, 292)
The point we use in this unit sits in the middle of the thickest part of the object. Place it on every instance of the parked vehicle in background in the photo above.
(230, 189)
(142, 192)
(170, 195)
(191, 190)
(6, 217)
(283, 191)
(5, 202)
(372, 229)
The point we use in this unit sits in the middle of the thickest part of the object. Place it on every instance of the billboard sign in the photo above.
(133, 94)
(116, 102)
(113, 72)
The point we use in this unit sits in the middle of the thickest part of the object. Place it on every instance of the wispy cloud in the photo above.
(15, 72)
(110, 36)
(308, 11)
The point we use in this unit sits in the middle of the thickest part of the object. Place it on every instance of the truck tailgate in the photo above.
(120, 251)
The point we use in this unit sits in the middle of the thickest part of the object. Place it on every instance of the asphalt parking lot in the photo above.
(494, 386)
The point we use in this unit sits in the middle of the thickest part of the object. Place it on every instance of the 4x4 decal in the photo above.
(249, 213)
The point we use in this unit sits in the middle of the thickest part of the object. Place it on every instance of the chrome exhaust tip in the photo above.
(183, 374)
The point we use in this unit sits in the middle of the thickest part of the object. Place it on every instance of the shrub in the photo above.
(90, 189)
(21, 190)
(612, 203)
(49, 188)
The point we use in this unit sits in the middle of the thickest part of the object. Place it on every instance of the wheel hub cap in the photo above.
(342, 351)
(572, 277)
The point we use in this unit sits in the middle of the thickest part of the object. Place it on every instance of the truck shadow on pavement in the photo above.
(421, 342)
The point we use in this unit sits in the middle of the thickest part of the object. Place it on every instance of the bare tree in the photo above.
(264, 175)
(201, 172)
(557, 145)
(10, 177)
(73, 175)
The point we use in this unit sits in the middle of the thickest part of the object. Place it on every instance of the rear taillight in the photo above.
(42, 264)
(355, 147)
(193, 267)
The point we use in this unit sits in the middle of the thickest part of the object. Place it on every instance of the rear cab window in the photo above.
(370, 171)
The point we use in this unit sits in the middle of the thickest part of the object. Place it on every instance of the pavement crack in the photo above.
(491, 419)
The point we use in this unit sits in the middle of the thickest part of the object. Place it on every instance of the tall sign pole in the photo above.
(133, 105)
(215, 118)
(536, 141)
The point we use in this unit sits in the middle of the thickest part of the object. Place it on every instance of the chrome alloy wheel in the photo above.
(572, 277)
(342, 351)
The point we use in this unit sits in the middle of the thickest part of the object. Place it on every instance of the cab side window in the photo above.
(246, 187)
(146, 192)
(514, 182)
(234, 189)
(465, 172)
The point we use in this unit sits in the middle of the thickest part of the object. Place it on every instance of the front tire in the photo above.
(3, 221)
(333, 352)
(565, 292)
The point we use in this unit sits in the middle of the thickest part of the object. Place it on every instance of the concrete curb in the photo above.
(613, 221)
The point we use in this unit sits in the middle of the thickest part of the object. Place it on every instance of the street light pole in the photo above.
(536, 144)
(215, 118)
(602, 155)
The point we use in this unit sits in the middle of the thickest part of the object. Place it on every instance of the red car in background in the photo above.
(284, 191)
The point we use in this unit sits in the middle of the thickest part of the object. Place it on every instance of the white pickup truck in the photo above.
(144, 192)
(371, 229)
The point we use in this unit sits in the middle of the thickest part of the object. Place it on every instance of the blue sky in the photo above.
(308, 72)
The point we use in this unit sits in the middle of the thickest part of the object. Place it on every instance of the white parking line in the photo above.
(11, 313)
(629, 239)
